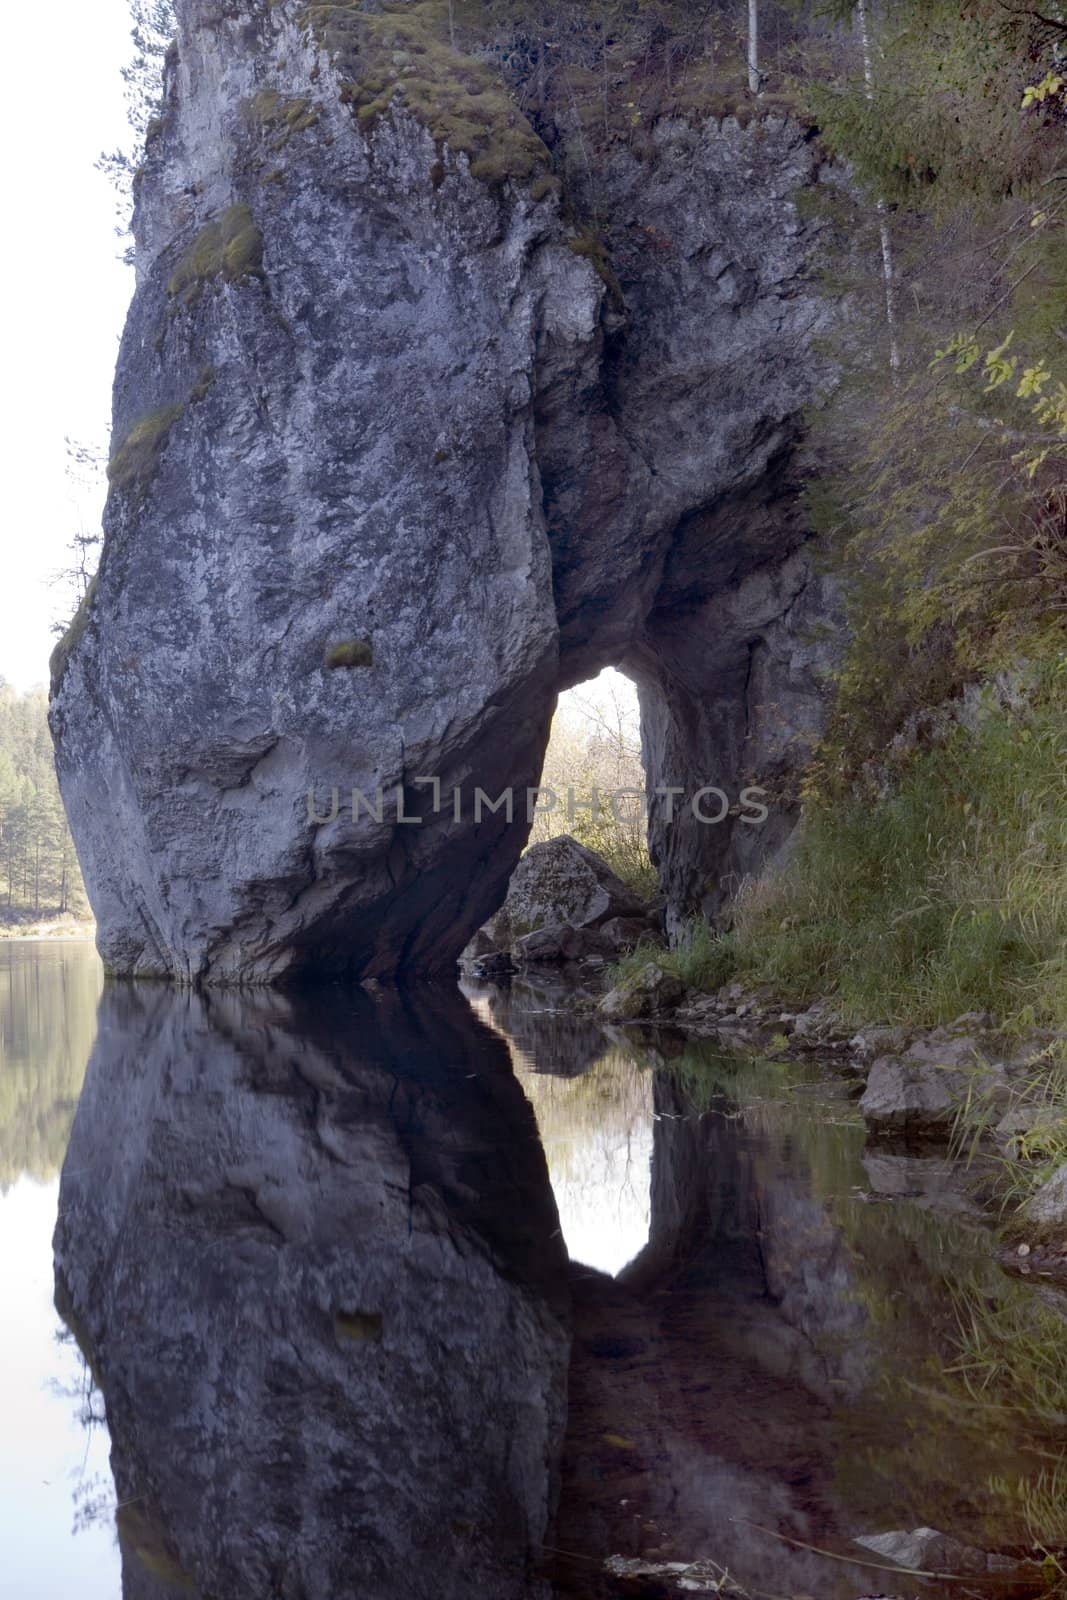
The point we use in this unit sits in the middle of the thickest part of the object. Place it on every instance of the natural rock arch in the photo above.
(395, 463)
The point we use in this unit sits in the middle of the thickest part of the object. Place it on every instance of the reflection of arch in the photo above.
(703, 1195)
(700, 1396)
(313, 1249)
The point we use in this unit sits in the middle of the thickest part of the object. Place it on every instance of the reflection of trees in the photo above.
(597, 1134)
(93, 1493)
(48, 1012)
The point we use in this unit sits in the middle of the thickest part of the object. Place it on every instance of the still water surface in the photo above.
(369, 1284)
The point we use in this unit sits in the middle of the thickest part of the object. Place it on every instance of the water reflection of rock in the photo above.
(539, 1020)
(312, 1253)
(775, 1370)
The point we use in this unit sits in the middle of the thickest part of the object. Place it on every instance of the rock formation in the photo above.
(312, 1257)
(398, 454)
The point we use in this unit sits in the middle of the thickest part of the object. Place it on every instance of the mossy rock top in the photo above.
(405, 58)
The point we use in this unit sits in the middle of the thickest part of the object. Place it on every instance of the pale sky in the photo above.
(64, 293)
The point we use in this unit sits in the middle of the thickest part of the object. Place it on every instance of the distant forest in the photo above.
(39, 874)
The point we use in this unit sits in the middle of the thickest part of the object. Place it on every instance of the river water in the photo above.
(456, 1295)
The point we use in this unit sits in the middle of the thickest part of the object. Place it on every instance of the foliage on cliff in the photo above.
(945, 480)
(932, 876)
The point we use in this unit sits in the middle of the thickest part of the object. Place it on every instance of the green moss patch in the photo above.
(152, 1546)
(134, 463)
(282, 116)
(358, 1327)
(592, 248)
(350, 653)
(64, 650)
(229, 249)
(405, 58)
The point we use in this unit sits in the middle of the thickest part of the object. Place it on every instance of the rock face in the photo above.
(643, 994)
(312, 1256)
(1047, 1211)
(393, 465)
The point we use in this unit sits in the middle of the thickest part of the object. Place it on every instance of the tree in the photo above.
(754, 78)
(154, 27)
(883, 211)
(86, 475)
(38, 868)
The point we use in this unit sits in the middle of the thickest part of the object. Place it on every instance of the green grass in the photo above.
(350, 653)
(64, 650)
(281, 116)
(946, 895)
(701, 960)
(228, 249)
(133, 465)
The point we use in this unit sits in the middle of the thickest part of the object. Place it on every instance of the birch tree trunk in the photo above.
(753, 47)
(883, 210)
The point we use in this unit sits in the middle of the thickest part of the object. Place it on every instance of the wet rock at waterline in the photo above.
(919, 1095)
(926, 1550)
(313, 1259)
(644, 993)
(394, 463)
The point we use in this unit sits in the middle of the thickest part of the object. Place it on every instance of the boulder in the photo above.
(919, 1095)
(444, 498)
(564, 904)
(927, 1550)
(1047, 1211)
(626, 933)
(646, 992)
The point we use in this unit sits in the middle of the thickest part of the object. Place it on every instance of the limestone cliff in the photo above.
(401, 450)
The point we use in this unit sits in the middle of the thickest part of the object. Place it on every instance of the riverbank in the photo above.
(72, 928)
(967, 1088)
(989, 1098)
(804, 1376)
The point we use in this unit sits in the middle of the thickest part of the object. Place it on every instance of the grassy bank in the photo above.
(941, 894)
(945, 893)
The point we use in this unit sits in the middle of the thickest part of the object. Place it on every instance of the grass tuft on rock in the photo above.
(229, 249)
(281, 116)
(64, 650)
(134, 463)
